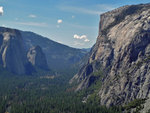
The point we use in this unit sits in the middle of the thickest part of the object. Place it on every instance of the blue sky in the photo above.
(71, 22)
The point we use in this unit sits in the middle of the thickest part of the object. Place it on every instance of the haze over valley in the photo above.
(74, 56)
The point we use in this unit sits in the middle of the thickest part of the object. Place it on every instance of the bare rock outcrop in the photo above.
(12, 54)
(122, 52)
(37, 58)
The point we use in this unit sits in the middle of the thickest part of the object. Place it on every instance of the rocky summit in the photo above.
(120, 57)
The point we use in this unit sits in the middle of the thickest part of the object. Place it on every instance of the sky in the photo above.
(71, 22)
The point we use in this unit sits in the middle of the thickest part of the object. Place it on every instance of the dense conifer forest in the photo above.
(43, 94)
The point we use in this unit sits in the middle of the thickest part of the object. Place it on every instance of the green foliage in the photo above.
(147, 59)
(148, 111)
(42, 94)
(94, 99)
(140, 63)
(98, 73)
(137, 104)
(35, 94)
(98, 82)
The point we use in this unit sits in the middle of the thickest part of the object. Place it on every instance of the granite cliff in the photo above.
(20, 54)
(12, 53)
(55, 52)
(37, 58)
(120, 59)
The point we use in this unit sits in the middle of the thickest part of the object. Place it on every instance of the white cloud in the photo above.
(32, 24)
(59, 21)
(1, 10)
(84, 37)
(32, 16)
(86, 40)
(80, 37)
(73, 16)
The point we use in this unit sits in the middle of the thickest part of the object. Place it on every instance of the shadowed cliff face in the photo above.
(37, 58)
(14, 45)
(13, 55)
(11, 51)
(122, 51)
(55, 53)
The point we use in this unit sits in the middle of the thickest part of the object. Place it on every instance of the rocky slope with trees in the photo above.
(120, 59)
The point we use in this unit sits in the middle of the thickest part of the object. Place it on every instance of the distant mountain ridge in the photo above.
(20, 50)
(59, 56)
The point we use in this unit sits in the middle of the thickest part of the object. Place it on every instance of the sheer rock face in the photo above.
(122, 51)
(37, 58)
(12, 54)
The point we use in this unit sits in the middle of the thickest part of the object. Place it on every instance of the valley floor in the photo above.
(35, 94)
